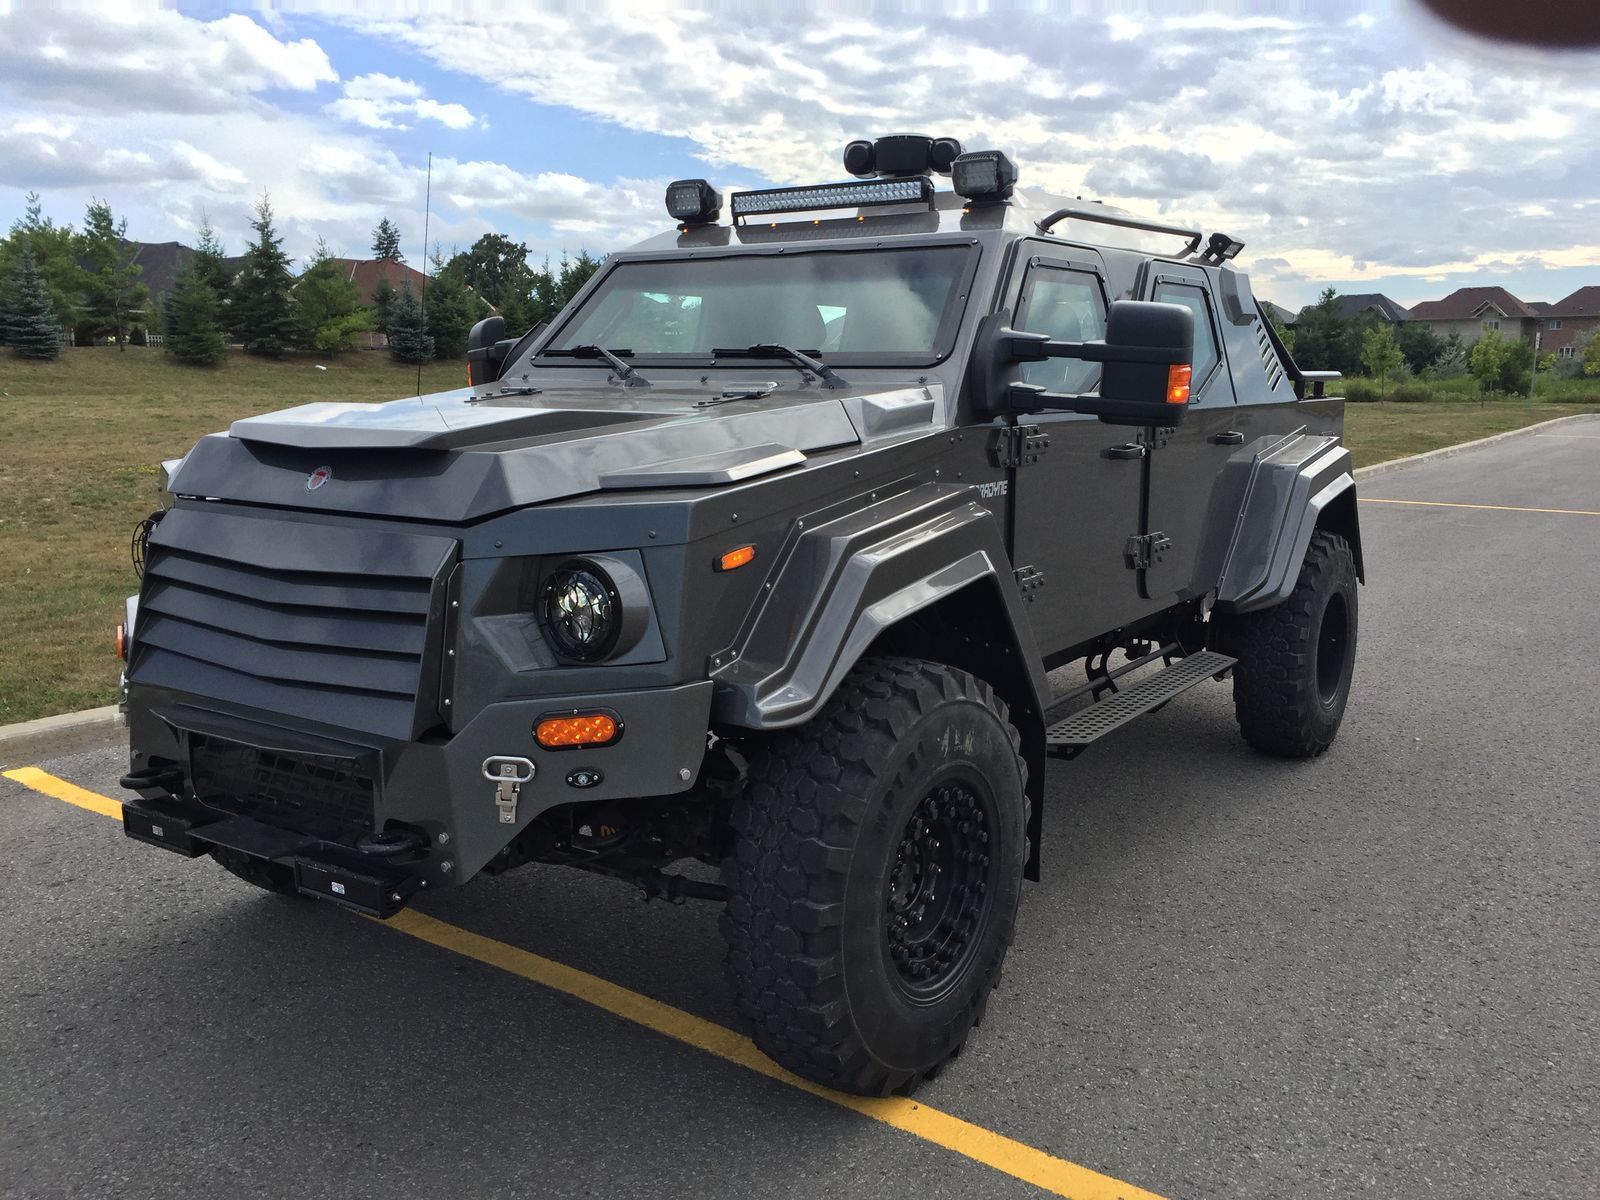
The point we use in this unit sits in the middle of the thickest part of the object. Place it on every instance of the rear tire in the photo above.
(876, 873)
(258, 872)
(1297, 658)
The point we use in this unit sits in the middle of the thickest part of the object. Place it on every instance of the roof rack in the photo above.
(1138, 223)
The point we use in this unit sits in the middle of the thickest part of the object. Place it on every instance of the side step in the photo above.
(1070, 737)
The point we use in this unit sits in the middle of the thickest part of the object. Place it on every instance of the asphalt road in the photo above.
(1372, 974)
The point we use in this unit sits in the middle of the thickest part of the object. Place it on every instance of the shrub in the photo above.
(1361, 391)
(1412, 393)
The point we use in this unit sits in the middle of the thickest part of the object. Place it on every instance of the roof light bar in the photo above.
(862, 194)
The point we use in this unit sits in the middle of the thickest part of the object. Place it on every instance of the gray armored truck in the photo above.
(743, 580)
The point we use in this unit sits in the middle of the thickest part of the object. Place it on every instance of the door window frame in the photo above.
(1040, 267)
(1217, 353)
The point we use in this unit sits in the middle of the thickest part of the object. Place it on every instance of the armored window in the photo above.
(1068, 306)
(1205, 337)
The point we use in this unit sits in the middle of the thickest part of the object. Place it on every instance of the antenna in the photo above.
(427, 212)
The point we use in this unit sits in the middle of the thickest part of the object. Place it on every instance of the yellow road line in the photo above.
(981, 1145)
(60, 789)
(1565, 512)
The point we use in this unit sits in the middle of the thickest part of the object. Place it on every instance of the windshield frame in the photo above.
(944, 340)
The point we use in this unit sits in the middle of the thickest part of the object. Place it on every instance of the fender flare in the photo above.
(842, 582)
(1294, 487)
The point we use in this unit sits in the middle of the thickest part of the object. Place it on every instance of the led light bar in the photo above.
(858, 194)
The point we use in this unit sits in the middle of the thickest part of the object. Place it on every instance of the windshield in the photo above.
(897, 307)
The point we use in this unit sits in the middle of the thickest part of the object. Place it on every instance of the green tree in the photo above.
(496, 268)
(260, 311)
(113, 295)
(1420, 345)
(54, 249)
(32, 325)
(208, 260)
(328, 306)
(1320, 334)
(1286, 336)
(382, 302)
(386, 241)
(408, 336)
(451, 308)
(1516, 368)
(1379, 354)
(1487, 358)
(1589, 352)
(193, 326)
(1452, 360)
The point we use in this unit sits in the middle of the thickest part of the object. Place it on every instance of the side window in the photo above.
(1205, 337)
(1069, 307)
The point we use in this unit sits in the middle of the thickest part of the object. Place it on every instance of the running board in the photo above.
(1070, 737)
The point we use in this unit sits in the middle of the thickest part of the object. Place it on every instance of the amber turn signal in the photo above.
(122, 641)
(1178, 383)
(736, 558)
(577, 729)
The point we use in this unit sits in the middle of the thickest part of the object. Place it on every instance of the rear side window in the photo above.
(1070, 307)
(1205, 338)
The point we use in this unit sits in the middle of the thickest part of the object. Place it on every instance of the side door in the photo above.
(1076, 504)
(1187, 460)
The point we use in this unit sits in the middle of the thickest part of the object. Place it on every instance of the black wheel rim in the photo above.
(1333, 645)
(938, 889)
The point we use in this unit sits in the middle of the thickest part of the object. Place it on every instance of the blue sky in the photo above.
(1355, 145)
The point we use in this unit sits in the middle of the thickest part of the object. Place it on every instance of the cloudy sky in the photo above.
(1371, 150)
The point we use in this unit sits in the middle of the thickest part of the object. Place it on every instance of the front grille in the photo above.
(331, 623)
(317, 794)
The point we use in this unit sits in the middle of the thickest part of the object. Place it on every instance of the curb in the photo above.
(59, 734)
(1394, 464)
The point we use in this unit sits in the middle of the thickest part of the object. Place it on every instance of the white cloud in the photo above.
(379, 101)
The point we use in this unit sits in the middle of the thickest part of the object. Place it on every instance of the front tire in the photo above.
(1297, 658)
(876, 874)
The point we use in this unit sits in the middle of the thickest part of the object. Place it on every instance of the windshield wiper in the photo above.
(629, 375)
(801, 360)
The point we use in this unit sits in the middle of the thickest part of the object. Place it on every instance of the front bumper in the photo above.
(303, 800)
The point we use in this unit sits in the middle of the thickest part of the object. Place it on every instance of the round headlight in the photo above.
(581, 610)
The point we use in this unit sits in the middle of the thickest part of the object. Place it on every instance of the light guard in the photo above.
(858, 194)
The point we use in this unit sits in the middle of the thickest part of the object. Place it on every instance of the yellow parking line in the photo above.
(1565, 512)
(975, 1142)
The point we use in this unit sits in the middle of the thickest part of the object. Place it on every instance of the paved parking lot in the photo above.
(1373, 974)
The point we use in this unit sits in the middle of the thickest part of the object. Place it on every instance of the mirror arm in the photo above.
(1037, 347)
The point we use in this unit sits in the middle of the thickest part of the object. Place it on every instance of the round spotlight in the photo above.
(860, 158)
(581, 611)
(943, 154)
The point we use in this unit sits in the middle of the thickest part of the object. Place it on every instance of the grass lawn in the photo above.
(80, 440)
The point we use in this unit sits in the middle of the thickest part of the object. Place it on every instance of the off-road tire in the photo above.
(1295, 665)
(259, 872)
(818, 867)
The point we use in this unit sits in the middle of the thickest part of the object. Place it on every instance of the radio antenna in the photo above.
(427, 213)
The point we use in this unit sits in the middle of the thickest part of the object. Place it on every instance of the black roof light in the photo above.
(693, 201)
(1220, 248)
(860, 159)
(984, 175)
(900, 155)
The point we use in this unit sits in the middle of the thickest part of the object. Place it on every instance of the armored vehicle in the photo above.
(743, 580)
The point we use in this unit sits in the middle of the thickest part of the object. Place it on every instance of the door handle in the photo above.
(1126, 450)
(1231, 438)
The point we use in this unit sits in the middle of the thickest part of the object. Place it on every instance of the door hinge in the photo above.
(1145, 550)
(1017, 445)
(1029, 580)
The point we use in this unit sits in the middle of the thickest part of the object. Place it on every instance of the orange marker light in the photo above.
(1178, 383)
(736, 558)
(122, 641)
(580, 729)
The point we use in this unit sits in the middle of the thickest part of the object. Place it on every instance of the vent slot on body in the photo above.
(1269, 357)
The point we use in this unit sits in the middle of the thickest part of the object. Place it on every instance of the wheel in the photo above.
(262, 873)
(1297, 658)
(876, 871)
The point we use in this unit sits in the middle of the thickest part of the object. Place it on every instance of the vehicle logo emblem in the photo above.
(318, 477)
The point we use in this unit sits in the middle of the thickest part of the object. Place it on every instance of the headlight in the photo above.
(581, 611)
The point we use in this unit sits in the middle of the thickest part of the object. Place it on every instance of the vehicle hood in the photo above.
(454, 456)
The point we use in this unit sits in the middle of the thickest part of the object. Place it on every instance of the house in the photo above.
(1278, 314)
(367, 273)
(1385, 309)
(1473, 311)
(160, 262)
(1569, 323)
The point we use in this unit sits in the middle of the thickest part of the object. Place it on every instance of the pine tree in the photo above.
(260, 312)
(408, 338)
(452, 308)
(382, 302)
(207, 260)
(33, 327)
(328, 306)
(55, 254)
(194, 335)
(112, 292)
(386, 241)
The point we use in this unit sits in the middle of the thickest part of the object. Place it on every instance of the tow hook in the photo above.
(508, 775)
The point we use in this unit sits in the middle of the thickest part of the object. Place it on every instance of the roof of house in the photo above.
(1585, 302)
(1464, 304)
(1542, 307)
(1278, 313)
(160, 262)
(367, 273)
(1387, 309)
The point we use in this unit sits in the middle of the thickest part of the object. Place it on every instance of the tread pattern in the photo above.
(795, 827)
(1275, 696)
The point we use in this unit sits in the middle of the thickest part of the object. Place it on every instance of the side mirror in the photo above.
(486, 350)
(1147, 352)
